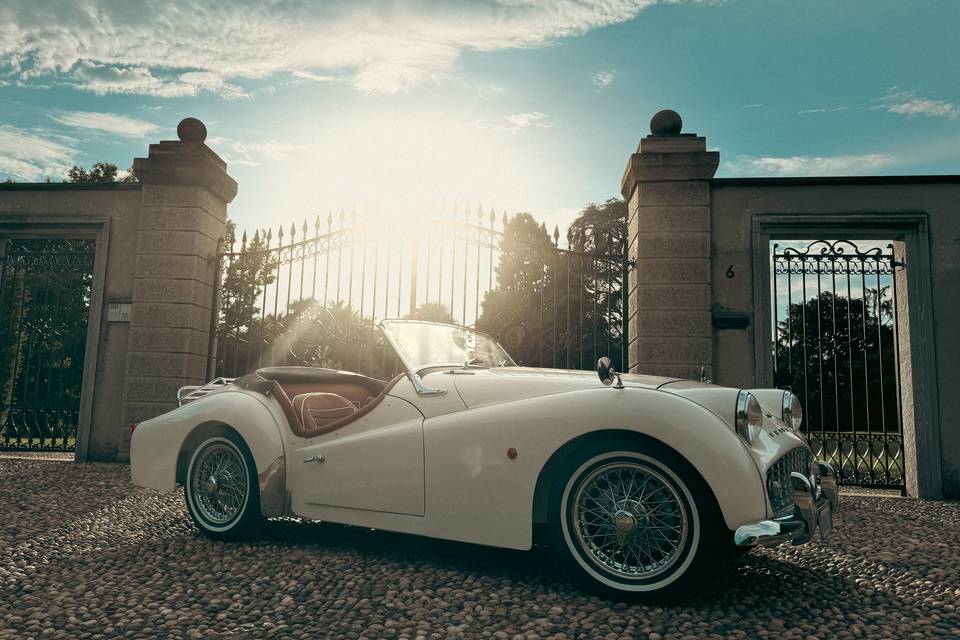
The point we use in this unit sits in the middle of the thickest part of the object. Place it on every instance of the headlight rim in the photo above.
(791, 411)
(749, 416)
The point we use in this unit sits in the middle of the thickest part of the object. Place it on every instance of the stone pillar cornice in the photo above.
(649, 166)
(669, 156)
(186, 162)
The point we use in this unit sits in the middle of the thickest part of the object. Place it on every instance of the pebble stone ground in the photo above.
(84, 554)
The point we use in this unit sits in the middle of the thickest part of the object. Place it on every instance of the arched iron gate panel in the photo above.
(45, 287)
(836, 346)
(310, 294)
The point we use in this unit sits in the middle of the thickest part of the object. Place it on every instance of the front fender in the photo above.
(476, 493)
(157, 443)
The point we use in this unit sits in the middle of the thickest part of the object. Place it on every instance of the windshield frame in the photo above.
(413, 370)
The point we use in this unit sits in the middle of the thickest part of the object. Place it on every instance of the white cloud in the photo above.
(110, 122)
(160, 48)
(517, 122)
(254, 154)
(30, 156)
(529, 119)
(485, 91)
(908, 104)
(313, 77)
(842, 107)
(603, 79)
(755, 105)
(802, 166)
(105, 79)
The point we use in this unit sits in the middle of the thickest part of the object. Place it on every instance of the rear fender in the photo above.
(160, 447)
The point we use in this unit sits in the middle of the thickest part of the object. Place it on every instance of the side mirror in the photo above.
(607, 373)
(605, 370)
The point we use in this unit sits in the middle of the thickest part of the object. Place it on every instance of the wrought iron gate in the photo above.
(45, 289)
(836, 347)
(310, 294)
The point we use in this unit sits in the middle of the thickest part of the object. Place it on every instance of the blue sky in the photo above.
(407, 107)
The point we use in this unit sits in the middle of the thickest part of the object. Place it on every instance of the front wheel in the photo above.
(636, 525)
(221, 491)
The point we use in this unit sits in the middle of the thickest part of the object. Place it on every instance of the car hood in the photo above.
(478, 387)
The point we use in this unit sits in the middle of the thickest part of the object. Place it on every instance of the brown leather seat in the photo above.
(317, 411)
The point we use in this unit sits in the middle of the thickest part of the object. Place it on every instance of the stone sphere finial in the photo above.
(666, 123)
(191, 130)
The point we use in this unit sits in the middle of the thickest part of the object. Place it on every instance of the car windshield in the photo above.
(420, 344)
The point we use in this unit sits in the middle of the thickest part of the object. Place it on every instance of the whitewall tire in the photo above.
(633, 524)
(221, 488)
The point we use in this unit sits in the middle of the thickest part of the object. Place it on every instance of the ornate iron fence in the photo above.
(310, 294)
(836, 347)
(44, 305)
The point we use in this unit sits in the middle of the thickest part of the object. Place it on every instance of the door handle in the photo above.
(317, 458)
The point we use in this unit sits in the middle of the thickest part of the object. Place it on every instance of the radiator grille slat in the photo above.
(778, 477)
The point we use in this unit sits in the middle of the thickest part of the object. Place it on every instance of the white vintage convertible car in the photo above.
(641, 483)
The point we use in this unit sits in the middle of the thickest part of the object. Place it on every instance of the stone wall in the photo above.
(156, 249)
(700, 293)
(918, 211)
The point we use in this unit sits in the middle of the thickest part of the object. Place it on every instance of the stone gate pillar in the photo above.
(183, 214)
(667, 189)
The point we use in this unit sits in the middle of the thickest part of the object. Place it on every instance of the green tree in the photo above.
(597, 283)
(832, 352)
(100, 172)
(247, 270)
(600, 229)
(514, 311)
(553, 307)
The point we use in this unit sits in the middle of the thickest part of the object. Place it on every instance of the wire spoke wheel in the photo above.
(219, 482)
(630, 520)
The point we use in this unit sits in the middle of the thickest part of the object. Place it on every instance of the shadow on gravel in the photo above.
(394, 547)
(731, 583)
(759, 580)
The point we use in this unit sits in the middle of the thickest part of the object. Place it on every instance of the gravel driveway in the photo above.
(84, 554)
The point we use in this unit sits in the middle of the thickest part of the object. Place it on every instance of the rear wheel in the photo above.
(221, 488)
(633, 524)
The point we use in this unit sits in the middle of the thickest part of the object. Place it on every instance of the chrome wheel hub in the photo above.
(219, 483)
(624, 521)
(629, 519)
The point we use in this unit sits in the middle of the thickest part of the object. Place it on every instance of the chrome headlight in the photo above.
(792, 411)
(749, 416)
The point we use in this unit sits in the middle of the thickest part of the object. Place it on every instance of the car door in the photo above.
(374, 463)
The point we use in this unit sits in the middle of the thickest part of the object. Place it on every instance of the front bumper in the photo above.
(814, 505)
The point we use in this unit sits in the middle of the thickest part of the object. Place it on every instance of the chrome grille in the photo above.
(778, 477)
